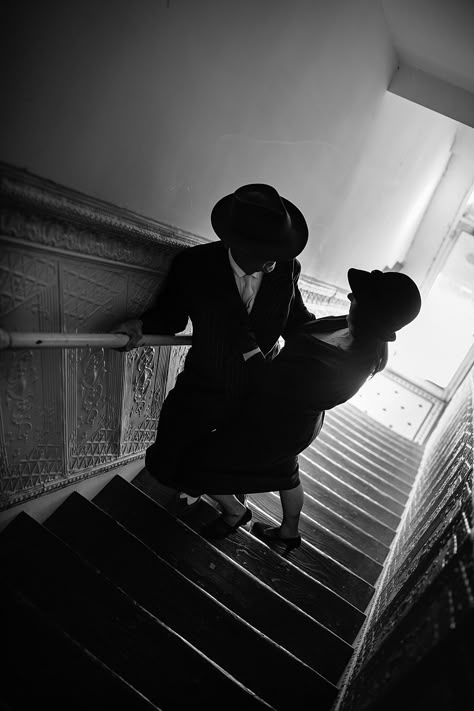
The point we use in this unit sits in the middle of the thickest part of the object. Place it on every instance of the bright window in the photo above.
(434, 346)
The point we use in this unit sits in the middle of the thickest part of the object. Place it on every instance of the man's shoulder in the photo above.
(201, 252)
(296, 267)
(329, 323)
(290, 269)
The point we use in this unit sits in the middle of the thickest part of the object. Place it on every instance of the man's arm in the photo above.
(169, 313)
(298, 313)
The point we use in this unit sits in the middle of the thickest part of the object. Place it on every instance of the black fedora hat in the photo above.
(256, 220)
(391, 300)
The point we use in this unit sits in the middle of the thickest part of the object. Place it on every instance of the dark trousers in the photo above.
(188, 415)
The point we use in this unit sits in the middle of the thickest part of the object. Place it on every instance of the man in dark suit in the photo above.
(241, 294)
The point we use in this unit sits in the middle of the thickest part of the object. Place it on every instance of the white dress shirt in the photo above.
(248, 290)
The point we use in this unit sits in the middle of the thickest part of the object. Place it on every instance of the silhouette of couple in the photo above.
(242, 408)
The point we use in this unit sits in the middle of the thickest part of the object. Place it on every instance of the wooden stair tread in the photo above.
(111, 625)
(337, 456)
(388, 475)
(385, 463)
(375, 431)
(301, 559)
(353, 479)
(280, 573)
(320, 566)
(349, 511)
(215, 572)
(318, 469)
(46, 668)
(397, 472)
(346, 563)
(310, 595)
(335, 522)
(187, 609)
(363, 420)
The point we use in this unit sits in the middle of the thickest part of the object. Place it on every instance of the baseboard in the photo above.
(41, 507)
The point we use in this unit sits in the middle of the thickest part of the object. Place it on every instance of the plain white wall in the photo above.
(432, 240)
(165, 109)
(435, 36)
(404, 159)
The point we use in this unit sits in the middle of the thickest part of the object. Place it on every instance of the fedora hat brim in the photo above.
(286, 245)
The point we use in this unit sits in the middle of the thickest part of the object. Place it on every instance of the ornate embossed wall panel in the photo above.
(30, 386)
(93, 408)
(32, 430)
(92, 293)
(68, 264)
(146, 377)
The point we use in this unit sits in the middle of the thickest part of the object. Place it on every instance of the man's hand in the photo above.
(248, 342)
(132, 329)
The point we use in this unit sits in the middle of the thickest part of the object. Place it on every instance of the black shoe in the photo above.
(269, 535)
(180, 507)
(220, 529)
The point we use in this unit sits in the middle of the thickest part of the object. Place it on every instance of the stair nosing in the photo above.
(384, 546)
(360, 441)
(364, 483)
(350, 503)
(371, 501)
(206, 593)
(321, 552)
(364, 467)
(128, 599)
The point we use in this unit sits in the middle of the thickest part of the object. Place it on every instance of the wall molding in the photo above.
(71, 263)
(26, 198)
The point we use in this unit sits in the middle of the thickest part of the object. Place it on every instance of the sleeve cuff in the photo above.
(249, 354)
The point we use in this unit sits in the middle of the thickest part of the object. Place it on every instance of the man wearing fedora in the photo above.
(241, 295)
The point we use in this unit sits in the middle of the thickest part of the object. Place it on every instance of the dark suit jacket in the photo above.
(201, 286)
(257, 449)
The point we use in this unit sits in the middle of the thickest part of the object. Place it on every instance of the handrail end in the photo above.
(5, 340)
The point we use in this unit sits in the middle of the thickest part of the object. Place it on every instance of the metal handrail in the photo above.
(15, 339)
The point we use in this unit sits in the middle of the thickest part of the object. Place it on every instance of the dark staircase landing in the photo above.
(116, 604)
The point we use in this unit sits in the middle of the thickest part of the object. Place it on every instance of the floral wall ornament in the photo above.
(20, 396)
(71, 263)
(142, 378)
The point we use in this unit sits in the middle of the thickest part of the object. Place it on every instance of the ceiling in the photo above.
(435, 36)
(434, 43)
(165, 110)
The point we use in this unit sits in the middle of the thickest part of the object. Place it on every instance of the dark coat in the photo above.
(283, 413)
(201, 286)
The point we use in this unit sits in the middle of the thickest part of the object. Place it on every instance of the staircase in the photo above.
(116, 604)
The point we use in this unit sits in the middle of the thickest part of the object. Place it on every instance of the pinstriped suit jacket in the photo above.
(201, 286)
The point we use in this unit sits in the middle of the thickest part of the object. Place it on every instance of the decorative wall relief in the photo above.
(143, 397)
(31, 429)
(92, 386)
(141, 292)
(30, 384)
(142, 379)
(93, 402)
(20, 396)
(74, 264)
(90, 294)
(23, 277)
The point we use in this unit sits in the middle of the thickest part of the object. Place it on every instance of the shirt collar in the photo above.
(237, 270)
